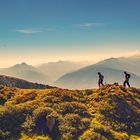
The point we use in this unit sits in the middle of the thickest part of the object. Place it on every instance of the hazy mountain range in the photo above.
(112, 69)
(69, 74)
(56, 69)
(131, 64)
(45, 73)
(26, 72)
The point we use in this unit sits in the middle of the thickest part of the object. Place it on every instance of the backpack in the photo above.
(128, 75)
(102, 77)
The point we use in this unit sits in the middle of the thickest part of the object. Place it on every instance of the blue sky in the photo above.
(39, 31)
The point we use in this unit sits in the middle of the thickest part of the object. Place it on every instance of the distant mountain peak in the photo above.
(111, 59)
(24, 64)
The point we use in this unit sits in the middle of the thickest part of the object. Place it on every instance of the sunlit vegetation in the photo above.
(109, 113)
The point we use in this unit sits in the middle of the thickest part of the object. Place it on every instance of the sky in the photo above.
(39, 31)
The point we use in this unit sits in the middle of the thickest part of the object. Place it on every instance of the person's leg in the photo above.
(128, 83)
(124, 84)
(102, 83)
(99, 84)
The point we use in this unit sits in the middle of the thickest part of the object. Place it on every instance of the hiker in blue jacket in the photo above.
(127, 77)
(101, 79)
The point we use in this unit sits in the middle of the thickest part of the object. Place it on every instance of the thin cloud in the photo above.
(133, 53)
(29, 31)
(89, 25)
(34, 31)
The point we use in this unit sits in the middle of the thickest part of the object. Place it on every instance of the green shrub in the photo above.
(11, 118)
(2, 99)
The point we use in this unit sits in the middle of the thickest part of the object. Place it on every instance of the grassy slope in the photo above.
(20, 83)
(109, 113)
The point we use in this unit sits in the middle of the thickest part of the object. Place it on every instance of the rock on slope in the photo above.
(109, 113)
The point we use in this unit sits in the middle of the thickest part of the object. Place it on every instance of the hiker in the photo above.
(127, 77)
(101, 79)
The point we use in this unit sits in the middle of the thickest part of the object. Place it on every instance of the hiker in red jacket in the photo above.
(127, 77)
(101, 79)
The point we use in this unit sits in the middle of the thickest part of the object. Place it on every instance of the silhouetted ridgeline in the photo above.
(109, 113)
(19, 83)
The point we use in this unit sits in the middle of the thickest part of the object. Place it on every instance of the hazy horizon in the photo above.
(84, 62)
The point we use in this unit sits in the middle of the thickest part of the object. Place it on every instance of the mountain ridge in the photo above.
(20, 83)
(85, 77)
(25, 71)
(56, 69)
(54, 72)
(88, 78)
